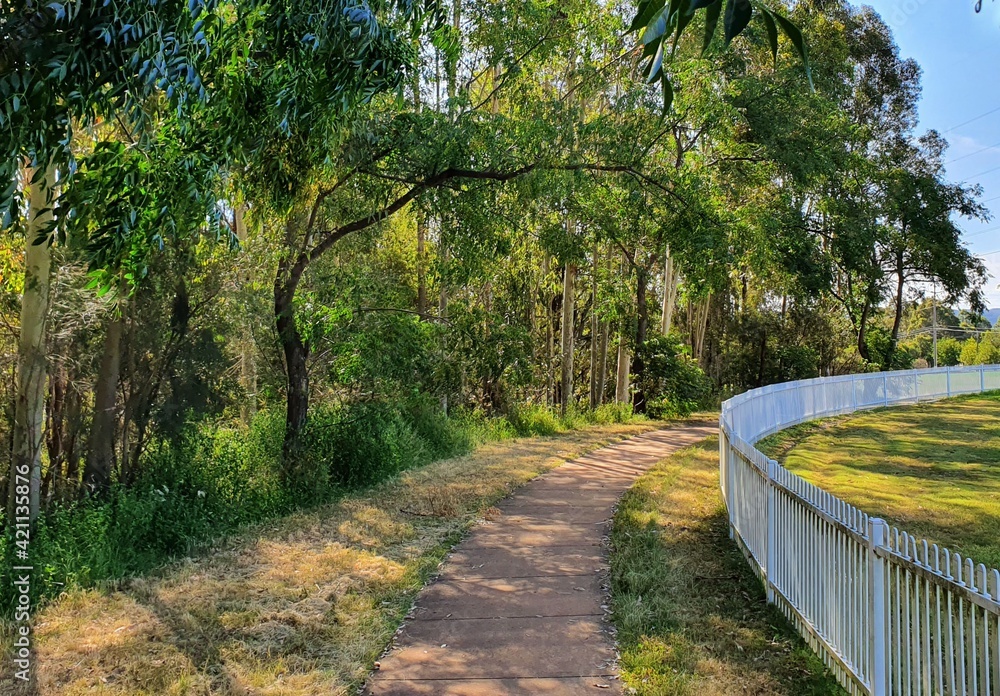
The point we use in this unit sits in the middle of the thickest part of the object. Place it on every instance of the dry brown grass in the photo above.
(300, 606)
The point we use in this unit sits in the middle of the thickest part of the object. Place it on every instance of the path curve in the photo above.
(519, 607)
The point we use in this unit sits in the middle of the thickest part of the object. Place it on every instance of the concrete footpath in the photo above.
(519, 607)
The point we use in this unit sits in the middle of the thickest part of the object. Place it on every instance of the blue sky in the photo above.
(959, 52)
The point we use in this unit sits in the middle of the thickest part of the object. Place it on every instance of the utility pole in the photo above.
(934, 322)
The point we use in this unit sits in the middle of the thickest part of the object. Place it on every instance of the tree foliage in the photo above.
(444, 220)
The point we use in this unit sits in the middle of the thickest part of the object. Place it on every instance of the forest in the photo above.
(257, 253)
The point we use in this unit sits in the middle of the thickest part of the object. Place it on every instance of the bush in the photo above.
(478, 428)
(367, 442)
(534, 419)
(949, 352)
(673, 383)
(989, 350)
(970, 352)
(613, 413)
(215, 478)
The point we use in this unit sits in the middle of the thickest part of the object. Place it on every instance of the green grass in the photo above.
(932, 469)
(692, 619)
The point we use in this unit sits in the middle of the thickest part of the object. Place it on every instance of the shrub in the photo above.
(673, 383)
(214, 478)
(970, 352)
(989, 350)
(534, 420)
(478, 428)
(949, 352)
(613, 413)
(442, 436)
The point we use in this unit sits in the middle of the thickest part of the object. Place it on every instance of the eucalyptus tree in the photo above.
(509, 118)
(923, 240)
(66, 67)
(63, 65)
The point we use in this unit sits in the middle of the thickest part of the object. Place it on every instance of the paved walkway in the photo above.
(519, 606)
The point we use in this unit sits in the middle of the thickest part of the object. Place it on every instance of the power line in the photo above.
(928, 329)
(971, 120)
(973, 154)
(976, 176)
(981, 232)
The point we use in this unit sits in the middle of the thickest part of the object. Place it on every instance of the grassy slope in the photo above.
(303, 605)
(931, 469)
(691, 617)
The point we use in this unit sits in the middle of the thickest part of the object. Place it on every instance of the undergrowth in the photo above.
(221, 476)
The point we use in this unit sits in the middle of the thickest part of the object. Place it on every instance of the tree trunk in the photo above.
(762, 359)
(900, 283)
(421, 224)
(594, 330)
(603, 358)
(624, 360)
(248, 362)
(641, 330)
(701, 326)
(443, 304)
(550, 338)
(101, 448)
(68, 487)
(669, 294)
(862, 333)
(56, 426)
(452, 68)
(568, 311)
(421, 266)
(29, 407)
(296, 373)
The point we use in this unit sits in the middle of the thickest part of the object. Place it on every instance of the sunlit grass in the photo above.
(932, 469)
(692, 619)
(300, 606)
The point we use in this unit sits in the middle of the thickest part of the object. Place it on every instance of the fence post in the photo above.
(879, 629)
(726, 474)
(854, 392)
(947, 375)
(772, 546)
(885, 388)
(982, 378)
(723, 465)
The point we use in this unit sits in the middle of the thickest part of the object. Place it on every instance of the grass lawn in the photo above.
(932, 469)
(303, 605)
(691, 616)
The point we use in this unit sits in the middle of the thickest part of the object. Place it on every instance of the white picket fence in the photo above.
(887, 612)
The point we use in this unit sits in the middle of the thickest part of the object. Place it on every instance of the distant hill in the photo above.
(992, 315)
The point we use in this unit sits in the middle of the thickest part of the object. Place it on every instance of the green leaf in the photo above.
(655, 67)
(793, 33)
(772, 33)
(657, 26)
(738, 15)
(711, 24)
(668, 96)
(647, 8)
(683, 20)
(698, 4)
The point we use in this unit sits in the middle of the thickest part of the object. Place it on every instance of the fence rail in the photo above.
(889, 614)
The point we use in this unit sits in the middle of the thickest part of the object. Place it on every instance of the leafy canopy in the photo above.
(662, 23)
